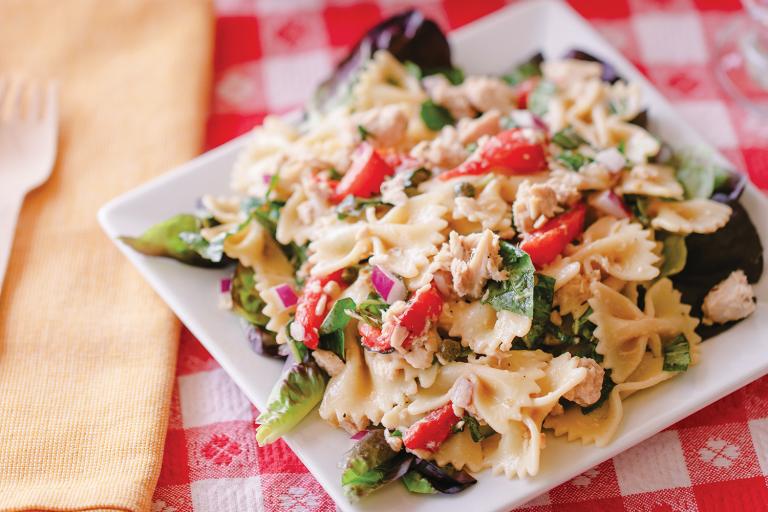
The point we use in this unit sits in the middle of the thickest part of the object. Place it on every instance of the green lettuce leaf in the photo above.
(299, 390)
(167, 239)
(417, 484)
(538, 101)
(677, 354)
(699, 176)
(370, 464)
(567, 138)
(516, 293)
(246, 300)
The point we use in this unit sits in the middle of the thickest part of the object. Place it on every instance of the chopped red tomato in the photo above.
(370, 337)
(544, 244)
(524, 89)
(510, 152)
(423, 307)
(310, 313)
(365, 176)
(429, 432)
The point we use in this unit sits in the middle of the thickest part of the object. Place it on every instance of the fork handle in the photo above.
(9, 214)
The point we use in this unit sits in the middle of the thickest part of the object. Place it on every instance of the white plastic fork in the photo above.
(29, 121)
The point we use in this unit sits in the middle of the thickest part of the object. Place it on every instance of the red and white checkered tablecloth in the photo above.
(269, 55)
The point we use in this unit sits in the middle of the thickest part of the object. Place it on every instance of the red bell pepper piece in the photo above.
(429, 432)
(365, 176)
(423, 307)
(544, 244)
(510, 152)
(308, 315)
(370, 337)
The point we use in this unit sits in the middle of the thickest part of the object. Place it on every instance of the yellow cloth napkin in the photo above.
(87, 350)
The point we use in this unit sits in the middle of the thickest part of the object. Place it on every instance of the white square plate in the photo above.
(491, 45)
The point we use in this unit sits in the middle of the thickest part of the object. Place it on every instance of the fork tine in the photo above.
(13, 99)
(33, 101)
(51, 105)
(3, 87)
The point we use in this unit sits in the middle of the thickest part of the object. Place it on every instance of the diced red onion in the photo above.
(225, 285)
(359, 435)
(527, 119)
(610, 204)
(266, 178)
(612, 159)
(297, 331)
(388, 286)
(286, 295)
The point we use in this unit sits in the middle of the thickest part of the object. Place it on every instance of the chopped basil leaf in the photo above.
(516, 293)
(622, 147)
(677, 354)
(273, 180)
(605, 393)
(638, 205)
(364, 133)
(573, 160)
(334, 174)
(477, 431)
(567, 138)
(454, 75)
(332, 329)
(337, 318)
(674, 253)
(543, 292)
(524, 71)
(372, 309)
(435, 116)
(416, 483)
(396, 433)
(352, 206)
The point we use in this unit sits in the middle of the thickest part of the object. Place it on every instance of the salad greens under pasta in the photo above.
(454, 266)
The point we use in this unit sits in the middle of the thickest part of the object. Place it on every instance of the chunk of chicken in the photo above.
(588, 391)
(472, 129)
(387, 125)
(328, 361)
(534, 205)
(445, 151)
(488, 93)
(471, 261)
(449, 96)
(475, 94)
(731, 299)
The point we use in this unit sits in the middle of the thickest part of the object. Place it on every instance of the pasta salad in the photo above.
(455, 267)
